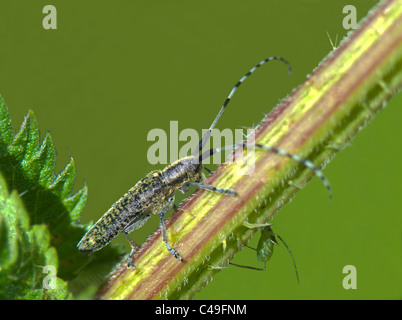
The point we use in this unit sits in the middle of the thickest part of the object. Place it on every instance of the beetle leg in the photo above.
(164, 210)
(130, 228)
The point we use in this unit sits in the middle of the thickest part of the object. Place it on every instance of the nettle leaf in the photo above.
(64, 182)
(39, 218)
(25, 254)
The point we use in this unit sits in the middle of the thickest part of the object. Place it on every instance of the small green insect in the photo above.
(155, 193)
(265, 247)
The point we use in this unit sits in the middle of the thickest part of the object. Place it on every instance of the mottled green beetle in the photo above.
(155, 193)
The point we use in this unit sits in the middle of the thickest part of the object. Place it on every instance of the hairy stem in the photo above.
(347, 90)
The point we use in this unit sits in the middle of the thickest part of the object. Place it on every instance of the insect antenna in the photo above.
(307, 163)
(290, 252)
(229, 97)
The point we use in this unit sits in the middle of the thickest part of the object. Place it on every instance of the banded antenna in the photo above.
(229, 97)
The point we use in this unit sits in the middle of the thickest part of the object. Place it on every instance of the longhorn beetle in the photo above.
(155, 193)
(265, 246)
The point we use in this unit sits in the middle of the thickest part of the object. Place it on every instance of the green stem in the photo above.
(347, 90)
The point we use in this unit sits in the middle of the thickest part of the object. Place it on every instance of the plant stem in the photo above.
(347, 90)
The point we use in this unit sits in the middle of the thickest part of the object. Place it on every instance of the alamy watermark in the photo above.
(350, 20)
(49, 281)
(350, 280)
(158, 152)
(49, 21)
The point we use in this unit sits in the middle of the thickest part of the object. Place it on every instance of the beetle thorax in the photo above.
(182, 171)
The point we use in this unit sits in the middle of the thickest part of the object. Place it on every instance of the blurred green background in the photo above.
(114, 70)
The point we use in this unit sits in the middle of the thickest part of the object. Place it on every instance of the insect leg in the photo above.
(249, 267)
(209, 170)
(255, 225)
(214, 189)
(165, 240)
(164, 210)
(130, 228)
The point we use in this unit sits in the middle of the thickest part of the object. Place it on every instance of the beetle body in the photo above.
(148, 196)
(154, 194)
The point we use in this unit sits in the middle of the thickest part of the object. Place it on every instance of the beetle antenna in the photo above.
(229, 97)
(307, 163)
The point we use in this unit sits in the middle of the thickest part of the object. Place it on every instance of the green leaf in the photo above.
(6, 128)
(64, 182)
(46, 157)
(24, 252)
(39, 218)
